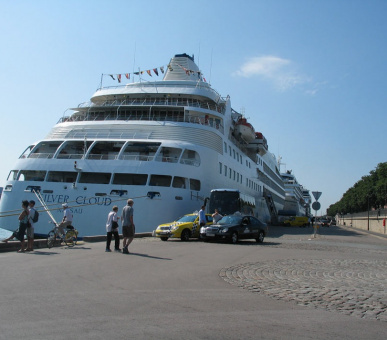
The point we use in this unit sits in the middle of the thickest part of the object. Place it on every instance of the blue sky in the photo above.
(310, 75)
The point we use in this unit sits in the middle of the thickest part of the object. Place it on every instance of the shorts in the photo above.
(30, 232)
(128, 231)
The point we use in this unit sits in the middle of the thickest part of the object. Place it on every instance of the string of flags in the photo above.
(155, 71)
(127, 75)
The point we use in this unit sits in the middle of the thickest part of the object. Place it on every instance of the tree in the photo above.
(369, 192)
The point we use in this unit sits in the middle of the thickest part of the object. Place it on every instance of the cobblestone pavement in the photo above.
(353, 287)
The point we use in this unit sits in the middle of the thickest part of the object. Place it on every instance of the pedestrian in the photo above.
(216, 216)
(112, 229)
(128, 228)
(23, 225)
(202, 216)
(67, 218)
(30, 229)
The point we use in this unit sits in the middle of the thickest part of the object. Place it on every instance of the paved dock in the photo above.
(290, 287)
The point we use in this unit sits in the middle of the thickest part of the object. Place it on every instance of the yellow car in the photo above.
(184, 228)
(297, 221)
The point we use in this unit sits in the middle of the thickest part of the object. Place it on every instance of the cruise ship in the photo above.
(166, 144)
(295, 195)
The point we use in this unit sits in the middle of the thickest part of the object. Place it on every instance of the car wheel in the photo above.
(234, 238)
(164, 238)
(260, 237)
(185, 235)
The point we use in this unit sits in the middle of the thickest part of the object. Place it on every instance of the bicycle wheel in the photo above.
(51, 239)
(70, 238)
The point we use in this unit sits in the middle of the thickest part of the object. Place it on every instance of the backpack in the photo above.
(36, 217)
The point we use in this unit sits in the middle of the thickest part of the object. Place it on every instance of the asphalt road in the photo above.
(290, 287)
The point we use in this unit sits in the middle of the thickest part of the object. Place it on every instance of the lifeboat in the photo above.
(260, 143)
(245, 130)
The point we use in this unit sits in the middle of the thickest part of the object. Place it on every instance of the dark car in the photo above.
(324, 222)
(234, 228)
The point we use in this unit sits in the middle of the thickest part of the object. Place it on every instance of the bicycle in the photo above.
(69, 237)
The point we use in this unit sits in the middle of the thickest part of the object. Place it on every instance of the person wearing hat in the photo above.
(67, 218)
(30, 228)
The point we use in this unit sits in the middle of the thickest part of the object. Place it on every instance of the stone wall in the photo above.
(372, 221)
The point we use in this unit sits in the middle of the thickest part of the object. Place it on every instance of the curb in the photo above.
(42, 243)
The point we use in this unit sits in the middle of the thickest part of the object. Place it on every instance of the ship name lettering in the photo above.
(93, 200)
(56, 198)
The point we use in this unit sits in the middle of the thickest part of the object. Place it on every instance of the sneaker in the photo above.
(118, 250)
(108, 251)
(125, 251)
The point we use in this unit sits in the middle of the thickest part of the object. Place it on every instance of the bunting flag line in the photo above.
(155, 71)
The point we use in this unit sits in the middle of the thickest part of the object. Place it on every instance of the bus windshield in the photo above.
(227, 202)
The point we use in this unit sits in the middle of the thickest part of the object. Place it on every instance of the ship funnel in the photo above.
(182, 67)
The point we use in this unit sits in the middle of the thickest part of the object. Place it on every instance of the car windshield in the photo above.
(231, 219)
(187, 218)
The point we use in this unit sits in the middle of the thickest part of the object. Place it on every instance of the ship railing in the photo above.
(156, 101)
(143, 158)
(41, 155)
(70, 156)
(100, 157)
(187, 161)
(178, 117)
(166, 159)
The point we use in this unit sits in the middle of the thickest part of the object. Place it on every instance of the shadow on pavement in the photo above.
(150, 256)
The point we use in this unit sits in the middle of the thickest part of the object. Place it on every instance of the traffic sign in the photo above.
(316, 205)
(316, 194)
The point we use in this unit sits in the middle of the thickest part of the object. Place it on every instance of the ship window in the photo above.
(12, 175)
(26, 152)
(119, 192)
(95, 177)
(220, 167)
(170, 155)
(190, 157)
(31, 175)
(105, 150)
(74, 149)
(160, 180)
(229, 149)
(62, 176)
(130, 179)
(225, 147)
(225, 170)
(194, 184)
(179, 182)
(140, 151)
(45, 149)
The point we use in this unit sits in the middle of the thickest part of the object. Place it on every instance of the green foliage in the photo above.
(369, 192)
